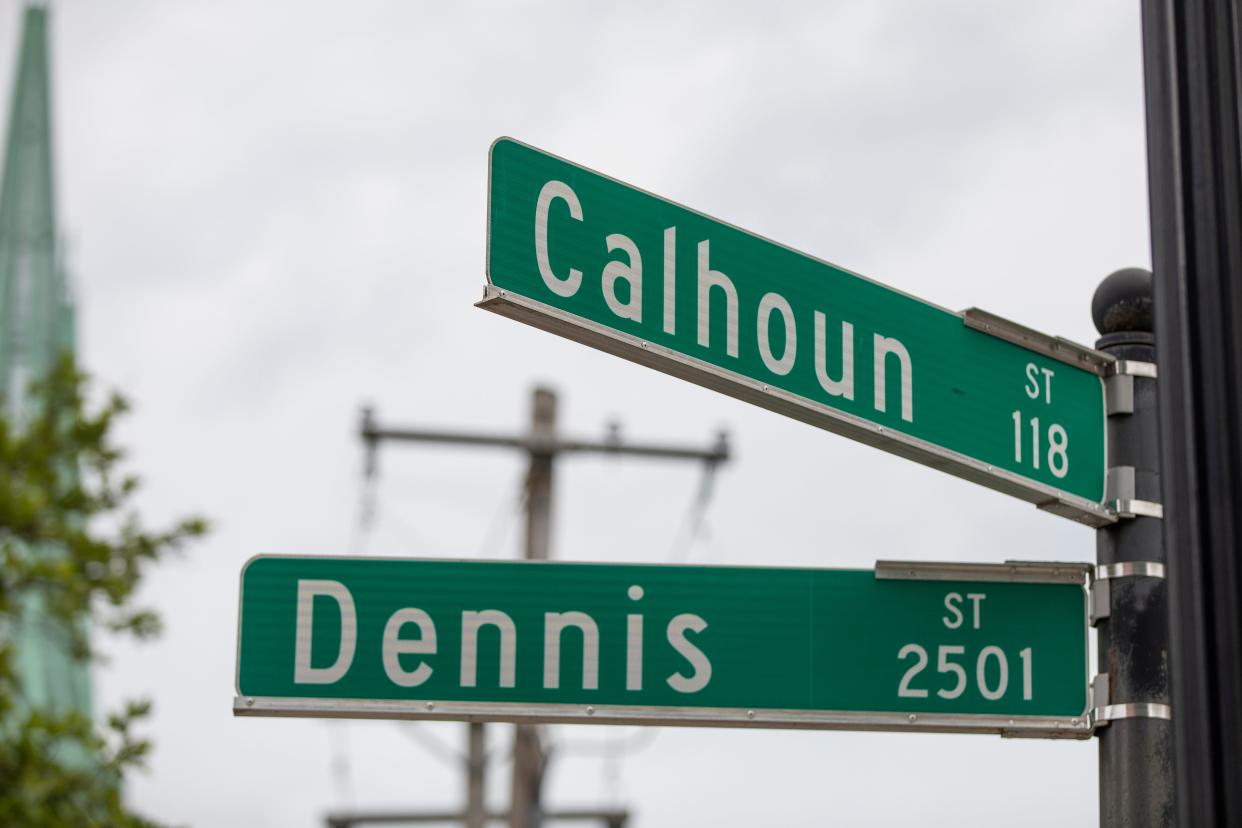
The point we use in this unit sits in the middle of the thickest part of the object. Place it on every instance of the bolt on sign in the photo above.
(604, 263)
(935, 647)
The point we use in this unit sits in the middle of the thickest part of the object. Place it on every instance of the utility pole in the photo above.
(543, 445)
(1191, 55)
(529, 757)
(1129, 594)
(476, 776)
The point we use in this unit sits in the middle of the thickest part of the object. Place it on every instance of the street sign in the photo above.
(933, 647)
(604, 263)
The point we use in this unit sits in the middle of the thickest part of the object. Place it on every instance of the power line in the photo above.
(691, 526)
(502, 521)
(407, 530)
(433, 745)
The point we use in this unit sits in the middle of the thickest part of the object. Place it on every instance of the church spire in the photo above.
(36, 310)
(36, 328)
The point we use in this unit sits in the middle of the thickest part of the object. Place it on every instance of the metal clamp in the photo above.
(1100, 593)
(1130, 368)
(1119, 488)
(1126, 569)
(1134, 710)
(1101, 712)
(1137, 508)
(1119, 384)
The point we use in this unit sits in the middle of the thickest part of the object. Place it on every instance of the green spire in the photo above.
(36, 327)
(36, 311)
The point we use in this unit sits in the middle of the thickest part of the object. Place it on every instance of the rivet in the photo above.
(431, 705)
(1011, 722)
(643, 344)
(765, 388)
(913, 718)
(1074, 722)
(590, 711)
(750, 714)
(249, 702)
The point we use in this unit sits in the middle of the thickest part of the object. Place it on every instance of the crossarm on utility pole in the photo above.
(372, 434)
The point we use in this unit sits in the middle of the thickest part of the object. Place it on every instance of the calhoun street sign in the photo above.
(937, 647)
(604, 263)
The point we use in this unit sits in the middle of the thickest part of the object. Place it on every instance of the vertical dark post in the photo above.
(539, 481)
(1129, 601)
(1191, 60)
(528, 757)
(476, 779)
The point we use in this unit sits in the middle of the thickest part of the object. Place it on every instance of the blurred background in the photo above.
(274, 213)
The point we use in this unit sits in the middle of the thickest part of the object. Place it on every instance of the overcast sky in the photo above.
(277, 212)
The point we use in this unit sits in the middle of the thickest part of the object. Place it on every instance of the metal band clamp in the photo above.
(1134, 710)
(1126, 569)
(1100, 593)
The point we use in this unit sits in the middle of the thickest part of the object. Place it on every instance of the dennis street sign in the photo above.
(996, 648)
(604, 263)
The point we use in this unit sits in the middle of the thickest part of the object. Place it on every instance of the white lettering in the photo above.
(550, 192)
(946, 666)
(952, 602)
(1002, 683)
(976, 598)
(709, 279)
(670, 280)
(554, 624)
(1032, 380)
(775, 302)
(904, 690)
(843, 387)
(471, 622)
(883, 347)
(631, 272)
(702, 667)
(394, 646)
(303, 672)
(634, 644)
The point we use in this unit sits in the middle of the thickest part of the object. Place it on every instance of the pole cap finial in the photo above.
(1123, 302)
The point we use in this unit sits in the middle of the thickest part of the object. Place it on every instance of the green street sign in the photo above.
(604, 263)
(934, 647)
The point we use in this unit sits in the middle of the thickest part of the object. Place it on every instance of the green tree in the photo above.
(63, 493)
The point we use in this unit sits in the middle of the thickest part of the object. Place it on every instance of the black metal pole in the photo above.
(1191, 60)
(1130, 606)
